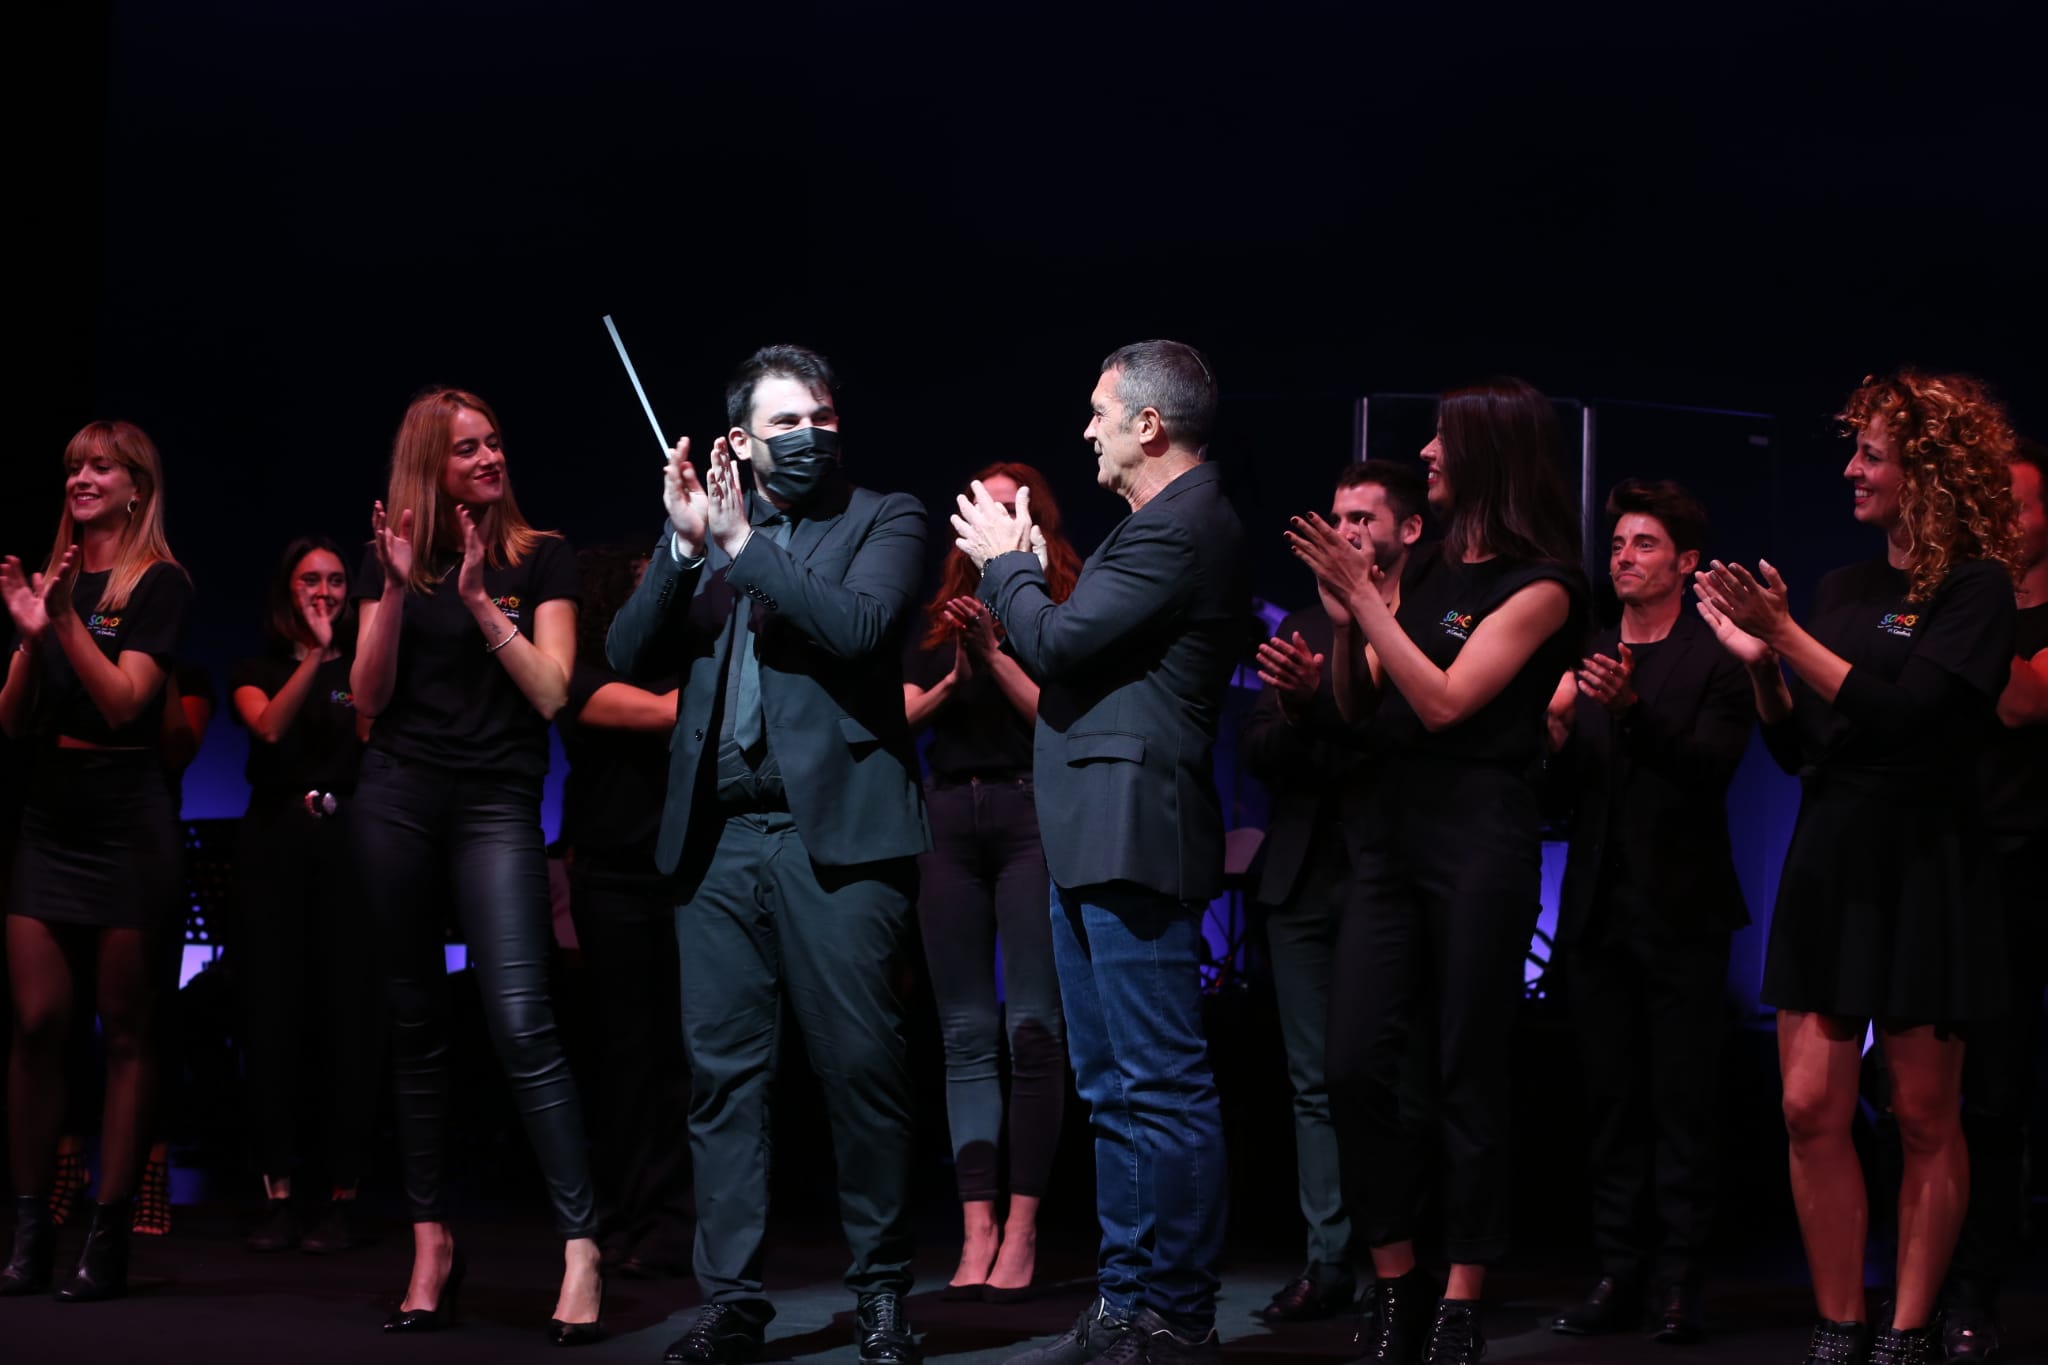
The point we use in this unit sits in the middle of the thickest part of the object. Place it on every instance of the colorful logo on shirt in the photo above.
(340, 698)
(1899, 623)
(1458, 623)
(103, 625)
(508, 605)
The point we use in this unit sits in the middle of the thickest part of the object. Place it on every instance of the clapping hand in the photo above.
(394, 545)
(318, 611)
(986, 528)
(976, 626)
(682, 493)
(726, 501)
(469, 580)
(1343, 571)
(1611, 682)
(1751, 604)
(1291, 668)
(33, 600)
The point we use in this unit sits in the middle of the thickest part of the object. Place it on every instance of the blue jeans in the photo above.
(1127, 960)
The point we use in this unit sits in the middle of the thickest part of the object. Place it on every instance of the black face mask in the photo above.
(804, 459)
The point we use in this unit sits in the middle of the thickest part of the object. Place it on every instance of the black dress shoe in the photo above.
(1149, 1339)
(103, 1265)
(334, 1233)
(1304, 1300)
(718, 1335)
(882, 1331)
(1094, 1332)
(1680, 1321)
(442, 1314)
(1611, 1306)
(280, 1231)
(580, 1333)
(34, 1253)
(1969, 1333)
(1837, 1343)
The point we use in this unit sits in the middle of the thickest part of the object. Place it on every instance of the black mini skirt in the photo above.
(100, 843)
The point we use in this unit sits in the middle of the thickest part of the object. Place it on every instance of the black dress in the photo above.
(1889, 905)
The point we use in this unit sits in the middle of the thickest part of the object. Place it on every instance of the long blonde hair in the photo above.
(417, 455)
(142, 544)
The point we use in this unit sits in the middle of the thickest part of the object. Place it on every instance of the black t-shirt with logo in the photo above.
(618, 779)
(320, 751)
(1963, 632)
(452, 704)
(2016, 762)
(1442, 602)
(151, 622)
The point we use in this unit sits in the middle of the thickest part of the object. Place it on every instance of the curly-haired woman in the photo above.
(1888, 908)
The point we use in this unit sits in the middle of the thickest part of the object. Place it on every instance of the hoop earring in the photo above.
(133, 503)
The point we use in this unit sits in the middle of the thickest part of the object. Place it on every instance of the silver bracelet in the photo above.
(510, 631)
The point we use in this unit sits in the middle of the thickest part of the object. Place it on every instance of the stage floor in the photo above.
(200, 1297)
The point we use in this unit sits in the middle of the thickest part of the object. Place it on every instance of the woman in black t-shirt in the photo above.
(984, 878)
(1447, 845)
(1888, 907)
(305, 950)
(99, 870)
(467, 641)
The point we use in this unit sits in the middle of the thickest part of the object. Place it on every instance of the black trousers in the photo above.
(766, 921)
(1999, 1087)
(1447, 870)
(985, 877)
(305, 958)
(1652, 1016)
(639, 1092)
(417, 829)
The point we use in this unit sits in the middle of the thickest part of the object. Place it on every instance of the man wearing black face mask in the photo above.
(792, 825)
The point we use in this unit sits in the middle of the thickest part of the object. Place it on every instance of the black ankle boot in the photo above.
(1920, 1346)
(1837, 1343)
(35, 1247)
(103, 1265)
(1400, 1330)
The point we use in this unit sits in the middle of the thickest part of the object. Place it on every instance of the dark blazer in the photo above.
(1133, 669)
(829, 611)
(1670, 759)
(1304, 765)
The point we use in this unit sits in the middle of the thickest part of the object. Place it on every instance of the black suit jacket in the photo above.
(828, 618)
(1133, 669)
(1304, 765)
(1669, 760)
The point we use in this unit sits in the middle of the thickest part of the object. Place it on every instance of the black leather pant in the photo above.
(419, 828)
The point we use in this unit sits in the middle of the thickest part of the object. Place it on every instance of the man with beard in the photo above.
(792, 826)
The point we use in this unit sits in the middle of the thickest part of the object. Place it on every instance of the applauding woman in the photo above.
(306, 948)
(986, 878)
(98, 877)
(467, 639)
(1448, 858)
(1893, 696)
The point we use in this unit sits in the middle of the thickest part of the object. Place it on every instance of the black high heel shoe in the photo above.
(442, 1314)
(103, 1265)
(580, 1333)
(35, 1248)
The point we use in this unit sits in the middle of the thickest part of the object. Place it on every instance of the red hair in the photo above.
(959, 576)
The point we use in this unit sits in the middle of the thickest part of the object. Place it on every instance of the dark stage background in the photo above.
(257, 229)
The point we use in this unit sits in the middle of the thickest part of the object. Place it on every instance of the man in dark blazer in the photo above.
(1133, 669)
(1650, 732)
(792, 826)
(1305, 754)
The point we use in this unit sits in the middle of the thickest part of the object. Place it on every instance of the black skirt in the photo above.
(100, 843)
(1889, 909)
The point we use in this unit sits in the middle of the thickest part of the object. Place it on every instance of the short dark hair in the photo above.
(1172, 379)
(1406, 492)
(779, 362)
(1680, 513)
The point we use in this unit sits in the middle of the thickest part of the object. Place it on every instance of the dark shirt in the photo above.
(319, 751)
(151, 622)
(611, 800)
(1442, 602)
(1921, 697)
(1629, 879)
(978, 732)
(452, 704)
(2015, 765)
